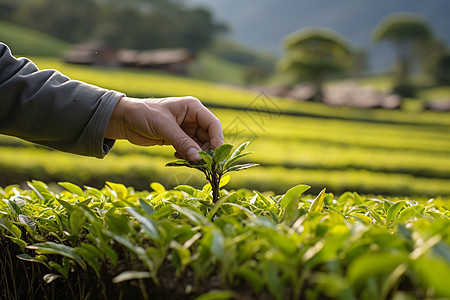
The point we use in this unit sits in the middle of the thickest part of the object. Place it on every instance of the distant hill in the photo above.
(264, 23)
(25, 41)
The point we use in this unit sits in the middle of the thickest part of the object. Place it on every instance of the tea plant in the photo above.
(117, 242)
(216, 163)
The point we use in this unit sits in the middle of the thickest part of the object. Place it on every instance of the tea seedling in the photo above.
(216, 163)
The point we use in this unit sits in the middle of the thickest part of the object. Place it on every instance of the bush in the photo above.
(178, 244)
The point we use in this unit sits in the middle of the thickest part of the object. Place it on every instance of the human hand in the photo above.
(182, 122)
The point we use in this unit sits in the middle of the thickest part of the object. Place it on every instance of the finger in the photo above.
(211, 124)
(183, 144)
(202, 135)
(215, 135)
(141, 140)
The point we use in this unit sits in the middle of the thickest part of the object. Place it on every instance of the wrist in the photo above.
(114, 130)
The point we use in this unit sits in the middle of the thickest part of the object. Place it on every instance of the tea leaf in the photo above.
(157, 187)
(49, 278)
(54, 248)
(26, 257)
(21, 243)
(119, 189)
(13, 229)
(180, 163)
(146, 207)
(434, 274)
(218, 204)
(222, 152)
(239, 149)
(147, 223)
(216, 295)
(74, 189)
(317, 204)
(206, 158)
(131, 275)
(292, 194)
(394, 210)
(192, 215)
(230, 161)
(224, 181)
(90, 258)
(240, 167)
(76, 221)
(28, 222)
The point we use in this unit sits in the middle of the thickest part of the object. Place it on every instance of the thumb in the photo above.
(183, 144)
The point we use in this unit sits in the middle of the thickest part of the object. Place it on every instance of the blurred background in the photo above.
(348, 95)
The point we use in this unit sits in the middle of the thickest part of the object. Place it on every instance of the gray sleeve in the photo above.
(47, 108)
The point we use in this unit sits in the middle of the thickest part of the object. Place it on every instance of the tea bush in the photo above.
(177, 244)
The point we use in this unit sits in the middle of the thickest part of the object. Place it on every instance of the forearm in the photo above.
(46, 107)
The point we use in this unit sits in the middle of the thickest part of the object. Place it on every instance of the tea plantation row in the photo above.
(389, 159)
(369, 151)
(116, 242)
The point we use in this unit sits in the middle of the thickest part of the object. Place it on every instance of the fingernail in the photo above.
(193, 155)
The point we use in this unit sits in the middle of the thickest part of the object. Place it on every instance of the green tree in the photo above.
(70, 20)
(410, 35)
(441, 69)
(314, 53)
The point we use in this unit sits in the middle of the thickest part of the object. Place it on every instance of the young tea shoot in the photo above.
(216, 163)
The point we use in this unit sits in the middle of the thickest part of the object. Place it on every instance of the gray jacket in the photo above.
(47, 108)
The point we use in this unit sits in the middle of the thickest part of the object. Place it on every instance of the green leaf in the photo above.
(248, 212)
(76, 221)
(90, 258)
(219, 203)
(146, 207)
(374, 214)
(36, 259)
(217, 246)
(69, 207)
(241, 167)
(362, 218)
(224, 180)
(157, 187)
(54, 248)
(118, 223)
(216, 295)
(41, 190)
(239, 149)
(180, 163)
(192, 215)
(13, 229)
(148, 224)
(74, 189)
(131, 275)
(408, 213)
(21, 243)
(28, 222)
(206, 158)
(370, 265)
(317, 204)
(232, 160)
(119, 189)
(15, 209)
(292, 195)
(50, 277)
(250, 276)
(222, 152)
(433, 274)
(394, 210)
(273, 280)
(191, 191)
